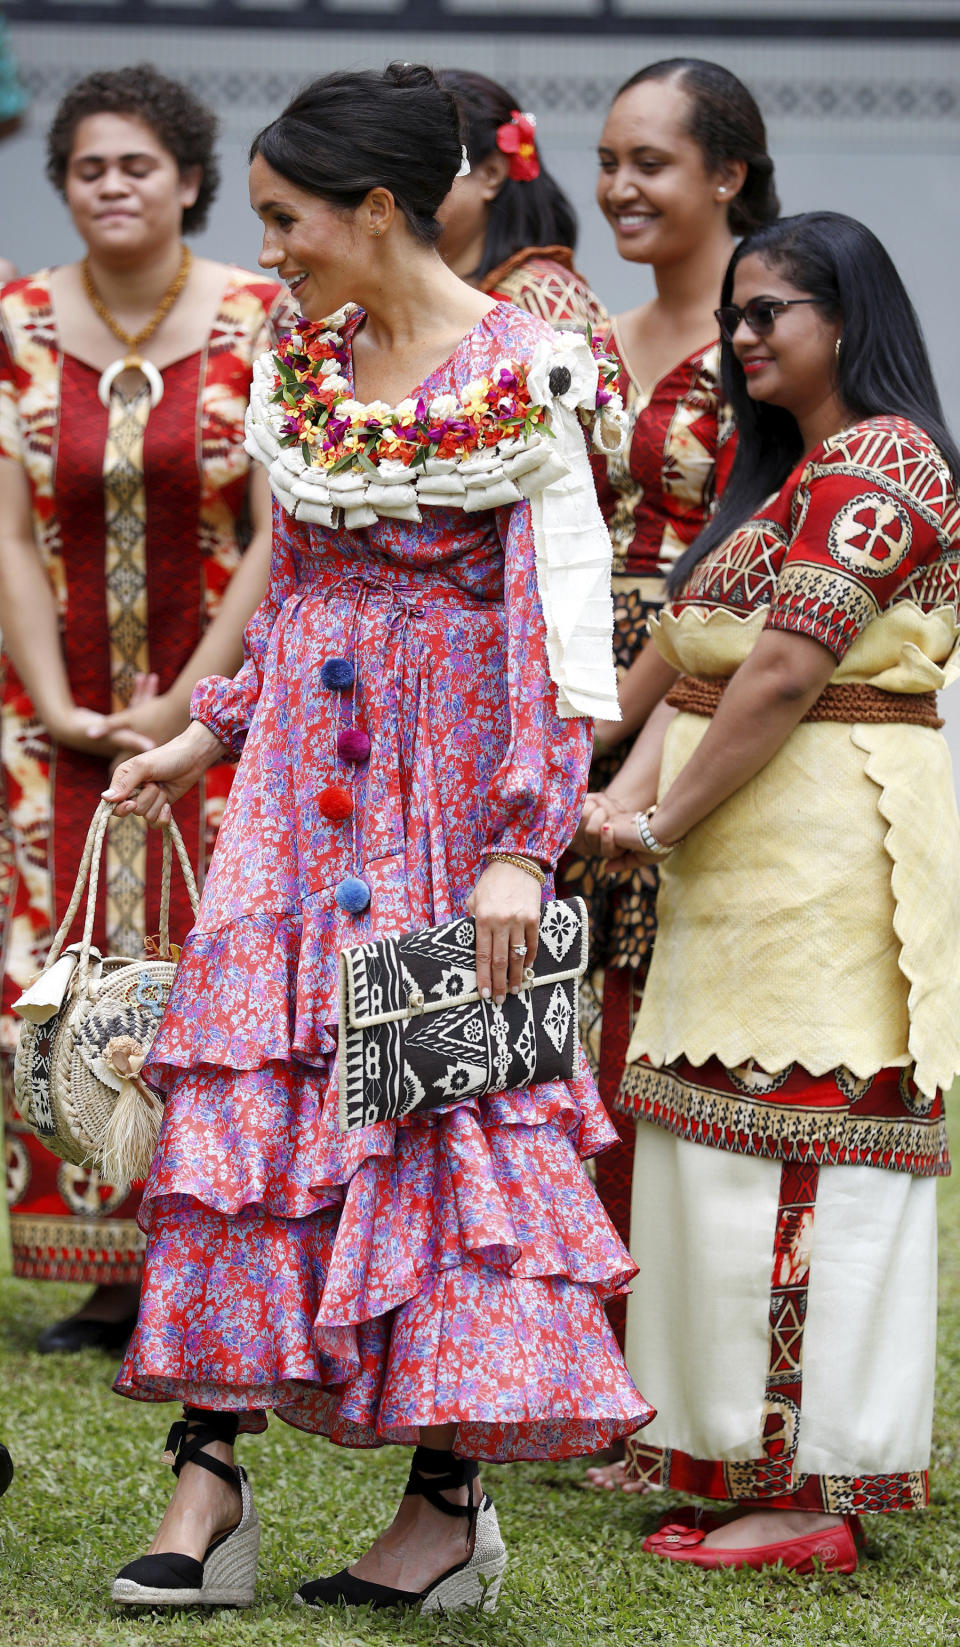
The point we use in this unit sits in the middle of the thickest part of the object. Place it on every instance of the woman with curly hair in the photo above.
(126, 502)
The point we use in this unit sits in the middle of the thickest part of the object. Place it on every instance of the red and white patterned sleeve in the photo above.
(867, 512)
(546, 288)
(535, 797)
(11, 440)
(226, 706)
(280, 318)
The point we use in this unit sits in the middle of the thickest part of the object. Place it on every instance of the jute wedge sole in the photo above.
(474, 1583)
(229, 1571)
(227, 1575)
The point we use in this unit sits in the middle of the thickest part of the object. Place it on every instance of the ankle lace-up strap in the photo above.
(446, 1472)
(195, 1430)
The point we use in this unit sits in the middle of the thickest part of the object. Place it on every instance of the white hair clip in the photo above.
(464, 162)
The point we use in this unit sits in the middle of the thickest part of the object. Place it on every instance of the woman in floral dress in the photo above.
(439, 1280)
(134, 543)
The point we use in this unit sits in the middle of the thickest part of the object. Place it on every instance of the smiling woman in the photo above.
(508, 227)
(126, 504)
(683, 169)
(412, 729)
(801, 1019)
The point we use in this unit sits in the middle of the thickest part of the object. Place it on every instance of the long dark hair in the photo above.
(349, 133)
(882, 370)
(726, 124)
(536, 213)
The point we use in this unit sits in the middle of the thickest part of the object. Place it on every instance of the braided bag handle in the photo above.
(90, 870)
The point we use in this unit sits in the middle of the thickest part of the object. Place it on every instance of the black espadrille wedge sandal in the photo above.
(227, 1574)
(474, 1582)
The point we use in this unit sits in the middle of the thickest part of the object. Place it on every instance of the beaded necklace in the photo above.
(132, 341)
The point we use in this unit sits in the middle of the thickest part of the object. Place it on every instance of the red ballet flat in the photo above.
(833, 1548)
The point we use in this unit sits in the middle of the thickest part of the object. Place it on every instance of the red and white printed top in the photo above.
(870, 519)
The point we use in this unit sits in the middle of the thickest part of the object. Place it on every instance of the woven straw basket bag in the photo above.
(88, 1027)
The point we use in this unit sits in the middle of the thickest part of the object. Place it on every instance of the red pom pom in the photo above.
(335, 803)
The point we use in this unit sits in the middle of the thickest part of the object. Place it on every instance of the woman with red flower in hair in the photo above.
(508, 227)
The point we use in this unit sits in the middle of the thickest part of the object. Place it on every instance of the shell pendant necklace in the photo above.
(132, 341)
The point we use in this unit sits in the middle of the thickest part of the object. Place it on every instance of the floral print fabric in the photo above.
(452, 1267)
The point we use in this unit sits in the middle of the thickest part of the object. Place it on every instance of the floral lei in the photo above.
(335, 432)
(326, 450)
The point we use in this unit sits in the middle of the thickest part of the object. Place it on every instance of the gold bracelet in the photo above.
(519, 862)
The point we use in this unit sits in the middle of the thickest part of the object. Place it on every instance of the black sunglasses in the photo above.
(760, 314)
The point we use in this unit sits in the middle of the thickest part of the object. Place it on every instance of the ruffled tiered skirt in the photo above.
(446, 1269)
(451, 1268)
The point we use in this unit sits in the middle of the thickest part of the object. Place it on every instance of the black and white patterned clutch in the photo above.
(415, 1034)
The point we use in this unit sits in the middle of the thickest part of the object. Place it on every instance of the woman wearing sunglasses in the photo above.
(802, 1012)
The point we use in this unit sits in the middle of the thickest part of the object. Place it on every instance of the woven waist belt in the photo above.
(845, 702)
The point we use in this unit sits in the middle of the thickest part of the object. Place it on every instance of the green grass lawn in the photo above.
(90, 1484)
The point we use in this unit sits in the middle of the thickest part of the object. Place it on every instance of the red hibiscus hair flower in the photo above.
(518, 139)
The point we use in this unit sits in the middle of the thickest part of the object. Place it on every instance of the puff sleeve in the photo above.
(867, 513)
(11, 441)
(226, 706)
(534, 799)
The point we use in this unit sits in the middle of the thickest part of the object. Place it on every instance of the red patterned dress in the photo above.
(655, 495)
(138, 516)
(450, 1267)
(801, 1016)
(543, 280)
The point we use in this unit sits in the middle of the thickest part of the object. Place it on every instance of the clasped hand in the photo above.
(149, 719)
(607, 830)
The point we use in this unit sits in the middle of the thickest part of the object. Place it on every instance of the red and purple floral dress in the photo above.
(452, 1267)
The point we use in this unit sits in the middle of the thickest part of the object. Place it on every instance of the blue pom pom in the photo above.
(353, 895)
(337, 674)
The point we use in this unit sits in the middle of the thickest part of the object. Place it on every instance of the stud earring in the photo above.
(721, 190)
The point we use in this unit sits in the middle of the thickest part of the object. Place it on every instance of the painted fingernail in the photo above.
(500, 999)
(484, 994)
(514, 989)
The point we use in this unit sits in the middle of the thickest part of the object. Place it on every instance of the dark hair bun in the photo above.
(411, 76)
(532, 212)
(349, 133)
